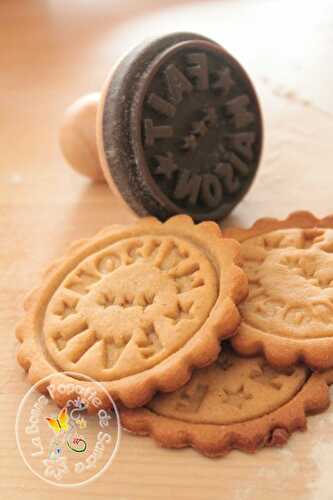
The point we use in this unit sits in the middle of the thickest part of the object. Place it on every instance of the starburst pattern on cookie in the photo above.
(118, 305)
(288, 314)
(236, 403)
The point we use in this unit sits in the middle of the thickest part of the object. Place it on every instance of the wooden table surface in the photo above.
(51, 52)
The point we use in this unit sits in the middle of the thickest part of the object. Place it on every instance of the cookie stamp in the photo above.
(236, 403)
(288, 314)
(179, 128)
(135, 307)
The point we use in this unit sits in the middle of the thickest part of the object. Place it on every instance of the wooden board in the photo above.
(51, 52)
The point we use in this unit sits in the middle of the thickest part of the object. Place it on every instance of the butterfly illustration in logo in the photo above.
(64, 428)
(61, 422)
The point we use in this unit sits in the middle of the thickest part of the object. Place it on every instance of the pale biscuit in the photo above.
(288, 314)
(236, 403)
(136, 307)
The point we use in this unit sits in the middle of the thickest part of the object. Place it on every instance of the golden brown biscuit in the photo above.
(136, 307)
(288, 314)
(236, 403)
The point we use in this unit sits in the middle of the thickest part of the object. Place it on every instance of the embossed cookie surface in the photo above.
(129, 306)
(181, 128)
(289, 310)
(236, 402)
(120, 304)
(231, 390)
(290, 273)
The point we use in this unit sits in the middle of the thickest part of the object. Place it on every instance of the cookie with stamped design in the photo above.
(236, 403)
(135, 307)
(288, 314)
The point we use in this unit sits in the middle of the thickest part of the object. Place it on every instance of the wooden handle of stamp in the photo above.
(77, 137)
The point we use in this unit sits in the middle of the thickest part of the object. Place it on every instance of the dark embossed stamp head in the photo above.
(181, 128)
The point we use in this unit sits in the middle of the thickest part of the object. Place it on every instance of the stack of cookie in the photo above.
(146, 310)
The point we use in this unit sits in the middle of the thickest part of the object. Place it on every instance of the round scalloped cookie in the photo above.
(236, 403)
(135, 307)
(288, 314)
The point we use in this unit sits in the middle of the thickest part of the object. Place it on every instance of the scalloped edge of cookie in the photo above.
(173, 372)
(273, 429)
(300, 219)
(283, 351)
